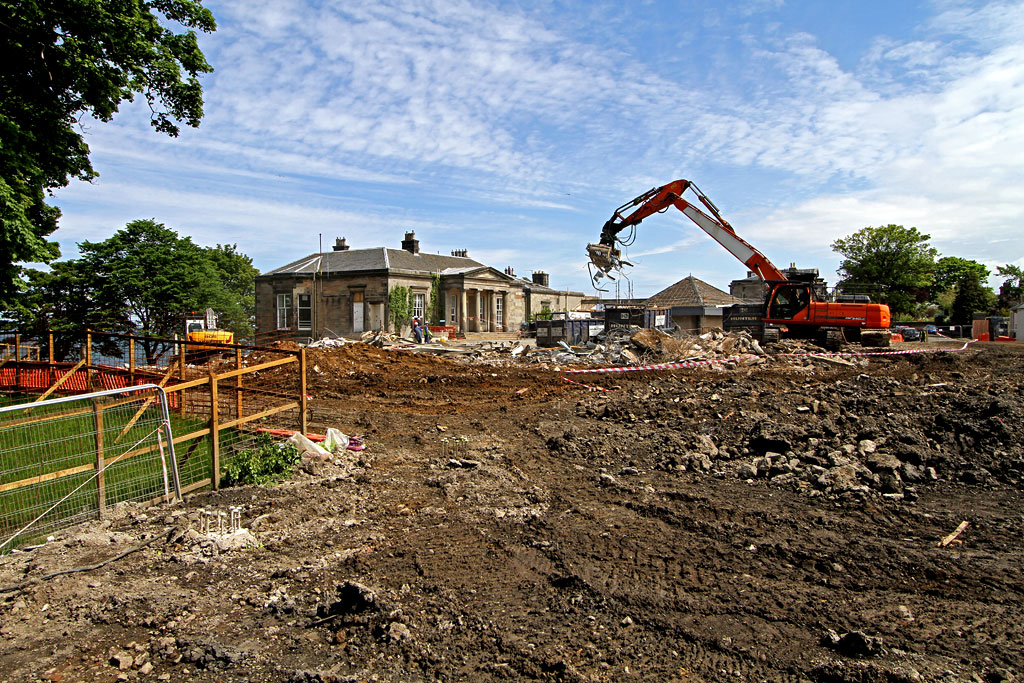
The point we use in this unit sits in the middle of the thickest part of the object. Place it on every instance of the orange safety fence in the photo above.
(41, 378)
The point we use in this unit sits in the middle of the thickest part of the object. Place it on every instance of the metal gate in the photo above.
(65, 460)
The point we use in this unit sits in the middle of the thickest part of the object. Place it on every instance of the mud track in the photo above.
(646, 533)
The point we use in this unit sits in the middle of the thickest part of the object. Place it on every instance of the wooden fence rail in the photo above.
(206, 408)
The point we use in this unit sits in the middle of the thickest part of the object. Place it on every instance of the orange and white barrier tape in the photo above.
(662, 366)
(903, 352)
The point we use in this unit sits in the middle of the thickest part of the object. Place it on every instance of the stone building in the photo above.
(695, 306)
(345, 292)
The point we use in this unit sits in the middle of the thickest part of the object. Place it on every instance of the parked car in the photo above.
(908, 333)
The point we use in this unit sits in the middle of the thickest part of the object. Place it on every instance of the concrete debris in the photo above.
(618, 347)
(330, 343)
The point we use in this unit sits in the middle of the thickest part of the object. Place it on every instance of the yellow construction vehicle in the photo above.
(201, 330)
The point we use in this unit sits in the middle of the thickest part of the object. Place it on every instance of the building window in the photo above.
(284, 307)
(453, 307)
(418, 303)
(499, 314)
(305, 312)
(480, 300)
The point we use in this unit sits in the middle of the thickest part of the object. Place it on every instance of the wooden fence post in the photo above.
(88, 359)
(52, 373)
(214, 433)
(181, 375)
(101, 492)
(303, 422)
(238, 384)
(17, 361)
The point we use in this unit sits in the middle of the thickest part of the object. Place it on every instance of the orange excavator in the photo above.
(793, 306)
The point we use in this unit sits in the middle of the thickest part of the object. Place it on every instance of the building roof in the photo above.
(378, 258)
(692, 292)
(538, 288)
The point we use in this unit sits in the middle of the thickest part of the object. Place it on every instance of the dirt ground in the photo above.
(770, 520)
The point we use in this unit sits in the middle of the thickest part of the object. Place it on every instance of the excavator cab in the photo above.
(788, 300)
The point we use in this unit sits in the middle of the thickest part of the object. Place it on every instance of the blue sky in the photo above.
(514, 129)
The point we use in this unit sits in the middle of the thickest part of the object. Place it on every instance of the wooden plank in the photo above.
(259, 416)
(191, 384)
(952, 537)
(302, 392)
(145, 404)
(257, 368)
(192, 435)
(238, 384)
(214, 433)
(182, 408)
(61, 381)
(195, 485)
(49, 476)
(88, 360)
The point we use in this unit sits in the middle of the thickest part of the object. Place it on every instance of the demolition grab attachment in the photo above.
(604, 258)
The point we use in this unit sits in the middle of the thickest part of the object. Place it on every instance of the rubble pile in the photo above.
(618, 347)
(626, 346)
(846, 437)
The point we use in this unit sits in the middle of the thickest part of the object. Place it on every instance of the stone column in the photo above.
(474, 308)
(463, 316)
(494, 310)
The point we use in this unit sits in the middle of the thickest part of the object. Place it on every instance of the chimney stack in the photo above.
(510, 272)
(541, 278)
(340, 245)
(410, 243)
(461, 253)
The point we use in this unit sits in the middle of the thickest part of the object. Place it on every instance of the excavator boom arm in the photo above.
(659, 199)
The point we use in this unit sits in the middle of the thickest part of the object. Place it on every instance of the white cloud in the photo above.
(449, 115)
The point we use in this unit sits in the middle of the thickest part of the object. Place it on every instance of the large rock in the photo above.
(842, 478)
(746, 471)
(658, 343)
(706, 446)
(883, 462)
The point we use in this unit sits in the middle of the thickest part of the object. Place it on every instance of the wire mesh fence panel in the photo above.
(219, 399)
(66, 460)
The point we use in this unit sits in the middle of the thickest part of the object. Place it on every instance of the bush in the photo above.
(267, 462)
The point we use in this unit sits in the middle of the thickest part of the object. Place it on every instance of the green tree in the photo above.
(1011, 292)
(950, 270)
(236, 301)
(400, 307)
(59, 300)
(435, 309)
(971, 296)
(146, 277)
(895, 260)
(67, 60)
